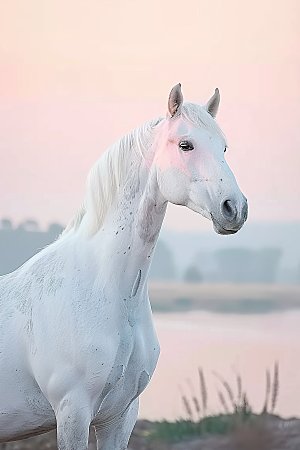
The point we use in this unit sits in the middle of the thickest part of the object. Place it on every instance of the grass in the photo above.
(236, 410)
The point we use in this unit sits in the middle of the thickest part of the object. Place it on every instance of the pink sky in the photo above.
(76, 75)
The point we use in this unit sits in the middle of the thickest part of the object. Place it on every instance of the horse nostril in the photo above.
(228, 210)
(244, 213)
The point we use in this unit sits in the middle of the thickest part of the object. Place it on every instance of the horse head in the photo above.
(191, 166)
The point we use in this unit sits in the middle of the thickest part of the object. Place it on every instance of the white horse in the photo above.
(77, 343)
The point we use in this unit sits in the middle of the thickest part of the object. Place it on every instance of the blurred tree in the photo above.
(267, 264)
(6, 224)
(235, 264)
(19, 244)
(192, 275)
(29, 225)
(239, 265)
(163, 267)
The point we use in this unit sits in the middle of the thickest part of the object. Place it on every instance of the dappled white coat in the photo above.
(77, 343)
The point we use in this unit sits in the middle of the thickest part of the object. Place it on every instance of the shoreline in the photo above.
(224, 298)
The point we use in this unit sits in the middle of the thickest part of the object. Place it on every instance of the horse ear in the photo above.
(175, 100)
(212, 105)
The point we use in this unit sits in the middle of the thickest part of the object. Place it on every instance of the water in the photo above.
(247, 344)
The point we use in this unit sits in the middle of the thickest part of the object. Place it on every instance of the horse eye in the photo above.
(225, 149)
(186, 146)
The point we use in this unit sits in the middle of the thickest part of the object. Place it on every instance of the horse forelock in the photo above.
(199, 116)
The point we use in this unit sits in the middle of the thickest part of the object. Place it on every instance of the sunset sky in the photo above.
(76, 75)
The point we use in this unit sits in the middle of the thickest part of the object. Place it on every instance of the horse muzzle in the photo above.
(231, 216)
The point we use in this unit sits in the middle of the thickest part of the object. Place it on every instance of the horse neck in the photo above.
(125, 243)
(122, 248)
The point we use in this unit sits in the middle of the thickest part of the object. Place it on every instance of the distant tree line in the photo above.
(242, 265)
(236, 265)
(17, 244)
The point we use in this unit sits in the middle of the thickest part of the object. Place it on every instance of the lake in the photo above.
(226, 344)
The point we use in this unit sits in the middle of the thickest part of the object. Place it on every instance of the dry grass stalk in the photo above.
(194, 399)
(197, 406)
(187, 405)
(275, 388)
(246, 408)
(228, 389)
(268, 391)
(203, 391)
(239, 388)
(223, 402)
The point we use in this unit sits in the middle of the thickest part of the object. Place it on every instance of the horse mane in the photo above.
(108, 175)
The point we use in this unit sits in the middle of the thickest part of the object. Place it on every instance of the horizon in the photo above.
(273, 248)
(43, 225)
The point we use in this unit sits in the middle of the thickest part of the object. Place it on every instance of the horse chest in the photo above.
(135, 360)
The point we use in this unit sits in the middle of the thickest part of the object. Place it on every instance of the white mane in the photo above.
(109, 174)
(111, 171)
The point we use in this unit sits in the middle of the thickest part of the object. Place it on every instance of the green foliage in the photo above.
(187, 429)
